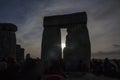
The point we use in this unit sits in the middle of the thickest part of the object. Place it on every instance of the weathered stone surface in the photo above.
(51, 44)
(7, 40)
(77, 46)
(63, 21)
(18, 46)
(8, 27)
(19, 53)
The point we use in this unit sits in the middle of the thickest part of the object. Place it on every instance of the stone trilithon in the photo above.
(77, 48)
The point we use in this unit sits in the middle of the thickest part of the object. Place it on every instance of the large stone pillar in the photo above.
(77, 50)
(51, 46)
(7, 40)
(19, 53)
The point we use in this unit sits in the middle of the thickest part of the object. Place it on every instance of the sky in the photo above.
(103, 22)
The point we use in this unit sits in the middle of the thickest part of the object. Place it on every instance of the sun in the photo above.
(63, 45)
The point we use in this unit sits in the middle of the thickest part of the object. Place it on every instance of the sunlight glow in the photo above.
(63, 45)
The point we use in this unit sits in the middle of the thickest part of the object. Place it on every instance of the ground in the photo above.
(88, 76)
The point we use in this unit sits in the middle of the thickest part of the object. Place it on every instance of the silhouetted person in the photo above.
(117, 62)
(12, 69)
(27, 71)
(3, 65)
(108, 67)
(3, 68)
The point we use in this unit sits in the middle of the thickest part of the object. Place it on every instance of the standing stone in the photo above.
(51, 46)
(8, 40)
(78, 50)
(19, 53)
(28, 56)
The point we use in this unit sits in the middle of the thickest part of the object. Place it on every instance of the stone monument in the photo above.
(8, 40)
(77, 48)
(51, 45)
(19, 53)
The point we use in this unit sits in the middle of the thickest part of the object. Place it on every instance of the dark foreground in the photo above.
(30, 70)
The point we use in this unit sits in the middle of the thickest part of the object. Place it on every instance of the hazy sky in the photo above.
(103, 22)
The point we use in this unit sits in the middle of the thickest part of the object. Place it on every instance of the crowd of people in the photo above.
(13, 70)
(106, 67)
(29, 69)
